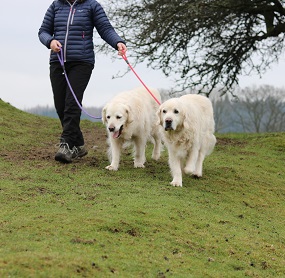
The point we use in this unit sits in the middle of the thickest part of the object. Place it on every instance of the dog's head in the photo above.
(171, 115)
(116, 116)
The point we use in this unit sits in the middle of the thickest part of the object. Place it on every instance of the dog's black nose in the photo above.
(111, 129)
(168, 123)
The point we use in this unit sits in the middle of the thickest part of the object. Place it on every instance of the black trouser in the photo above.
(69, 112)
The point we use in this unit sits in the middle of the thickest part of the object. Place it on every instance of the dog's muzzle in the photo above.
(168, 124)
(116, 134)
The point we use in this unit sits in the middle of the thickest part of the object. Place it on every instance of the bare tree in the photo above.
(207, 43)
(223, 115)
(261, 109)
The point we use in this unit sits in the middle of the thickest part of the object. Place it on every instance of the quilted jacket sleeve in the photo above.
(104, 27)
(46, 30)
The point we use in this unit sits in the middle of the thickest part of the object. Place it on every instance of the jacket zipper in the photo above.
(69, 22)
(72, 16)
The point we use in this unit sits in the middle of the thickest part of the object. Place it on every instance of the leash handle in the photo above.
(124, 56)
(60, 58)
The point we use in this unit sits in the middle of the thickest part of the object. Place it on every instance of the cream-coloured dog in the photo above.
(131, 117)
(188, 127)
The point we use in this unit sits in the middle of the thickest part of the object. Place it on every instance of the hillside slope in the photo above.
(80, 220)
(38, 136)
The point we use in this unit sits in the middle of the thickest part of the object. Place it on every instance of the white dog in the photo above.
(188, 132)
(131, 117)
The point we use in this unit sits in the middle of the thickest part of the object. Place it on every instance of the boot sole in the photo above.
(80, 155)
(62, 158)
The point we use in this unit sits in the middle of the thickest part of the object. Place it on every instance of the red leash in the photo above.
(126, 59)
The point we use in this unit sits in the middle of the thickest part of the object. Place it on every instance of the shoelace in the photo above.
(64, 148)
(75, 150)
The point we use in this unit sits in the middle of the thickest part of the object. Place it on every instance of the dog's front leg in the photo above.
(206, 148)
(139, 155)
(114, 153)
(175, 167)
(199, 164)
(156, 146)
(192, 159)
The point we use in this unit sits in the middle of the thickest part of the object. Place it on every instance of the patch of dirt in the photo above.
(83, 241)
(225, 142)
(95, 141)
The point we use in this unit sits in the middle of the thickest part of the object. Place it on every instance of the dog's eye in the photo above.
(108, 117)
(118, 117)
(163, 111)
(176, 111)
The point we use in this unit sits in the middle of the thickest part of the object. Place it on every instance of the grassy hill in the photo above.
(80, 220)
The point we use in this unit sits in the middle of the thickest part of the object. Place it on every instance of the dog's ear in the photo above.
(185, 120)
(129, 113)
(104, 120)
(158, 116)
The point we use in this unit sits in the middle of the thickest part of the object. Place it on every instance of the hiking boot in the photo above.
(79, 151)
(64, 154)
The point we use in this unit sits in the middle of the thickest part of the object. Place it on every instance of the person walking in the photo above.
(68, 26)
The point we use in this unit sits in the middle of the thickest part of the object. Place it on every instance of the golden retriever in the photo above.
(131, 117)
(188, 126)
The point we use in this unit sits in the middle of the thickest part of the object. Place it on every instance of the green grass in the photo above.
(80, 220)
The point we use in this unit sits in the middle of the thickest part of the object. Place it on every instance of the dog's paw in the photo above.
(195, 176)
(139, 165)
(111, 168)
(176, 183)
(155, 156)
(188, 170)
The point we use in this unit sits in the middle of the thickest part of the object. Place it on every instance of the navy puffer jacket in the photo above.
(72, 25)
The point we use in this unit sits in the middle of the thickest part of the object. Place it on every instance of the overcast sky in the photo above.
(24, 68)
